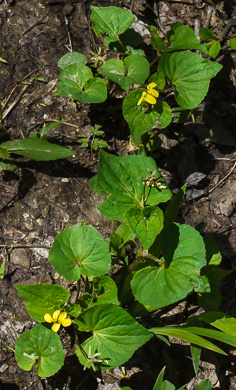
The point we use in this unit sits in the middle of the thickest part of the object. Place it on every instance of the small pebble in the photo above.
(12, 369)
(3, 368)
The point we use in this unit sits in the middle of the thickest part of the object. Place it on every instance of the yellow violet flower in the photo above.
(58, 318)
(149, 96)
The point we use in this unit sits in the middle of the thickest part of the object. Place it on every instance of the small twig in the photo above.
(197, 25)
(224, 158)
(226, 228)
(224, 178)
(12, 246)
(231, 23)
(10, 201)
(4, 102)
(211, 2)
(69, 38)
(29, 74)
(65, 135)
(8, 110)
(183, 1)
(15, 101)
(208, 17)
(7, 380)
(132, 5)
(35, 25)
(55, 2)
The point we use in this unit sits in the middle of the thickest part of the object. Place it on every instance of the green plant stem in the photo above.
(143, 201)
(154, 259)
(145, 198)
(91, 148)
(134, 264)
(112, 231)
(87, 285)
(83, 381)
(112, 227)
(154, 61)
(82, 351)
(92, 142)
(1, 119)
(4, 348)
(123, 47)
(78, 290)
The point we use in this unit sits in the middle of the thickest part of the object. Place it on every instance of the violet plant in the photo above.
(173, 259)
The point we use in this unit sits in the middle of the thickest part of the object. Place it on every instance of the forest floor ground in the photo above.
(40, 199)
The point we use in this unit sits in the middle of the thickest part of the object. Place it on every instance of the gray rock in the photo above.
(20, 257)
(195, 178)
(3, 368)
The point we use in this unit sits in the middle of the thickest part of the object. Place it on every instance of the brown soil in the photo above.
(39, 199)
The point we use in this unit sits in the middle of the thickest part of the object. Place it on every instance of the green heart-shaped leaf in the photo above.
(157, 42)
(121, 180)
(159, 79)
(6, 167)
(72, 58)
(74, 77)
(182, 37)
(232, 43)
(204, 385)
(143, 118)
(184, 256)
(95, 91)
(43, 298)
(134, 70)
(146, 223)
(190, 76)
(221, 321)
(77, 82)
(112, 21)
(214, 49)
(80, 249)
(206, 33)
(39, 345)
(105, 290)
(116, 335)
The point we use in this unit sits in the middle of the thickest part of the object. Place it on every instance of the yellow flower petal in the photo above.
(61, 317)
(150, 86)
(66, 322)
(56, 315)
(56, 327)
(153, 92)
(150, 99)
(48, 318)
(142, 98)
